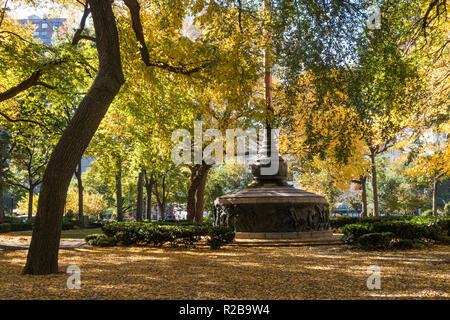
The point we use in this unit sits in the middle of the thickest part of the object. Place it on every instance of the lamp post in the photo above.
(270, 208)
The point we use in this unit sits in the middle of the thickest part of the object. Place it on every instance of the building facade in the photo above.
(44, 27)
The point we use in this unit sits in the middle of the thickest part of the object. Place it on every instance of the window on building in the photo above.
(44, 26)
(35, 33)
(43, 33)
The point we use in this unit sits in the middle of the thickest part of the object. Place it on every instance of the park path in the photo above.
(20, 245)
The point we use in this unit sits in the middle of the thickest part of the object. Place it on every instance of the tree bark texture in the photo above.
(43, 253)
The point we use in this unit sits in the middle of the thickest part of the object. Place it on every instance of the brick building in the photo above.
(44, 27)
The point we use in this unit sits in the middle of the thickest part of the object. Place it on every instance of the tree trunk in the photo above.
(148, 188)
(196, 191)
(2, 207)
(140, 197)
(30, 203)
(192, 191)
(373, 169)
(119, 200)
(161, 199)
(43, 253)
(200, 194)
(364, 196)
(80, 194)
(161, 208)
(163, 212)
(435, 190)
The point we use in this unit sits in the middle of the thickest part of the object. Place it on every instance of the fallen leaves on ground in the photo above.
(319, 272)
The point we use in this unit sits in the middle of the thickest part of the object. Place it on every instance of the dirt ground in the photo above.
(306, 272)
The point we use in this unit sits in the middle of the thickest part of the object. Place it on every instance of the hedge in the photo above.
(341, 221)
(376, 240)
(352, 232)
(406, 233)
(157, 234)
(14, 224)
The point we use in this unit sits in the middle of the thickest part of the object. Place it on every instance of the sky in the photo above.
(22, 12)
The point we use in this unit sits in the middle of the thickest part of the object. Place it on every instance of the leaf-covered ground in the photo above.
(320, 272)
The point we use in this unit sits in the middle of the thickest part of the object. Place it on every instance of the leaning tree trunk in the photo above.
(43, 253)
(30, 202)
(373, 169)
(435, 190)
(364, 196)
(119, 199)
(140, 197)
(80, 194)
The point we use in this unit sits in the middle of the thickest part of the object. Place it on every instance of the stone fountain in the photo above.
(270, 208)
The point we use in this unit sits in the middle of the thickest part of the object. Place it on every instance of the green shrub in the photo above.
(375, 219)
(94, 236)
(428, 212)
(100, 240)
(69, 225)
(219, 236)
(413, 228)
(158, 236)
(23, 226)
(444, 239)
(208, 220)
(94, 224)
(352, 232)
(15, 225)
(434, 226)
(447, 209)
(401, 229)
(405, 244)
(93, 239)
(106, 241)
(374, 241)
(341, 221)
(157, 233)
(5, 227)
(12, 220)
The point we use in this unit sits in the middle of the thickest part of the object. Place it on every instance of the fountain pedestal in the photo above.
(271, 209)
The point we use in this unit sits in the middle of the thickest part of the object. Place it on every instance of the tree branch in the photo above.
(77, 36)
(29, 82)
(24, 85)
(134, 8)
(4, 115)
